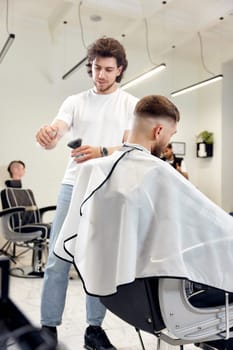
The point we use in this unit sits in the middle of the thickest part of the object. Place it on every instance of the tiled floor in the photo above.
(25, 293)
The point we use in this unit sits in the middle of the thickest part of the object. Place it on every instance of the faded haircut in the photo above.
(155, 106)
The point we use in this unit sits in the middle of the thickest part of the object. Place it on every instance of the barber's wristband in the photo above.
(103, 151)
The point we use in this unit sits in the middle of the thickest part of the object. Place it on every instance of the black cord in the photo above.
(81, 25)
(147, 42)
(202, 55)
(7, 15)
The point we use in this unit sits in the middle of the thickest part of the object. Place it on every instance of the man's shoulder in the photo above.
(81, 94)
(76, 99)
(127, 95)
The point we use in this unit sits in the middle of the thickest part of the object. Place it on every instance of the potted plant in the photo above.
(205, 141)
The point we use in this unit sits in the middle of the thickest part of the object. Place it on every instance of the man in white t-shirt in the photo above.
(101, 117)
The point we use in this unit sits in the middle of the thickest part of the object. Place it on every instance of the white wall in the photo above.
(32, 90)
(200, 110)
(227, 137)
(210, 118)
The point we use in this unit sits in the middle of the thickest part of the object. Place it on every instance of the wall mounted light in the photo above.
(143, 76)
(6, 46)
(75, 68)
(197, 85)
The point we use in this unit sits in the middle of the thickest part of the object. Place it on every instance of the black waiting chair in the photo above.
(5, 249)
(163, 307)
(16, 331)
(23, 226)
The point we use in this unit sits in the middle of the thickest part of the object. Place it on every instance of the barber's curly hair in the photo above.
(107, 47)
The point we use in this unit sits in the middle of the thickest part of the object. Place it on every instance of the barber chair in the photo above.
(23, 226)
(165, 308)
(16, 331)
(6, 247)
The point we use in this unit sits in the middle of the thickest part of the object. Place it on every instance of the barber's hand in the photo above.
(46, 135)
(83, 153)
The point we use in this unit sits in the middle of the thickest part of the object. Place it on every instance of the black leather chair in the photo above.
(161, 306)
(23, 226)
(176, 311)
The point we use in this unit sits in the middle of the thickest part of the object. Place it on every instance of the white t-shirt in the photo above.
(98, 119)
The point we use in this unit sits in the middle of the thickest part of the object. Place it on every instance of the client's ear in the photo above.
(157, 131)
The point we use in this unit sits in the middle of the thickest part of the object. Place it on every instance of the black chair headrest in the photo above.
(13, 183)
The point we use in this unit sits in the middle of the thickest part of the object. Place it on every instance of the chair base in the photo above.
(9, 250)
(5, 250)
(8, 255)
(26, 272)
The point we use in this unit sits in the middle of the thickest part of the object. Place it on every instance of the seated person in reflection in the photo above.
(16, 170)
(177, 162)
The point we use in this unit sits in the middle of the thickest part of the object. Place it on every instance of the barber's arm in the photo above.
(48, 135)
(86, 152)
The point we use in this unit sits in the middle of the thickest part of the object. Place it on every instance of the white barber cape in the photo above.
(132, 215)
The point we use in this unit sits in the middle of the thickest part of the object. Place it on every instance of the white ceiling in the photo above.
(172, 24)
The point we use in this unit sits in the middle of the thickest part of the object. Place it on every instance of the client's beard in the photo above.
(156, 151)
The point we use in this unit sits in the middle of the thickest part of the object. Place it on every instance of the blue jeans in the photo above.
(56, 275)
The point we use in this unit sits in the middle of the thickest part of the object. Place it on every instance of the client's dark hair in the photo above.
(157, 106)
(107, 47)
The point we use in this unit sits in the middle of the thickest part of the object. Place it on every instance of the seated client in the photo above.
(137, 217)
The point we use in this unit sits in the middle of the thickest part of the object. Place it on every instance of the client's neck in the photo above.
(138, 139)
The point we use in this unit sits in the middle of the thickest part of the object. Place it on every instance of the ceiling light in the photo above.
(6, 46)
(143, 76)
(76, 67)
(197, 85)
